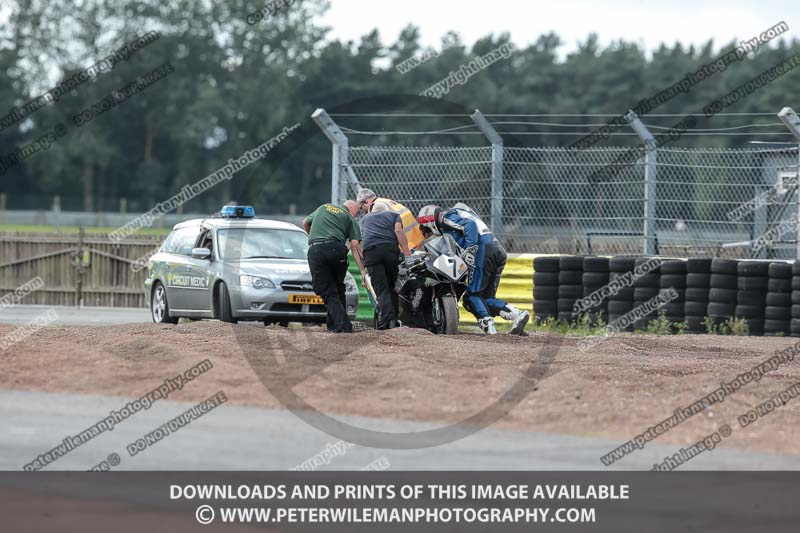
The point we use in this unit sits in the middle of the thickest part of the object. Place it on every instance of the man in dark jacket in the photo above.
(384, 239)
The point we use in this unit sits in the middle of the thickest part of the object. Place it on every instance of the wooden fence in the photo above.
(76, 267)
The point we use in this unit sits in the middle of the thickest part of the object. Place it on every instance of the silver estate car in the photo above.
(236, 267)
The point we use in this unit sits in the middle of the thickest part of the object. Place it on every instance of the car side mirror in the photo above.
(201, 253)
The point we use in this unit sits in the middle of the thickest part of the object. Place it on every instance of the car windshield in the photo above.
(261, 243)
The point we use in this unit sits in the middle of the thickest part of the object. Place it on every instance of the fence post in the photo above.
(792, 122)
(79, 267)
(340, 167)
(496, 216)
(650, 181)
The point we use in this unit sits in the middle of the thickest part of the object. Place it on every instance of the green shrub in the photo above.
(738, 326)
(732, 326)
(660, 325)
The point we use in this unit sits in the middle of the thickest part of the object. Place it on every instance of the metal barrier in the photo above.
(516, 288)
(365, 312)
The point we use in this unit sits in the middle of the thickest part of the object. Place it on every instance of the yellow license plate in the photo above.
(310, 299)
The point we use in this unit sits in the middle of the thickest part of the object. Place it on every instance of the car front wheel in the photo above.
(225, 309)
(159, 306)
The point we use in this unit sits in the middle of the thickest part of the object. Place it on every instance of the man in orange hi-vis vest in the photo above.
(366, 198)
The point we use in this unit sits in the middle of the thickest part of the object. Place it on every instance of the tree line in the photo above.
(237, 81)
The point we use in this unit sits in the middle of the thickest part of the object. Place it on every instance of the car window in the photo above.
(181, 241)
(206, 240)
(246, 243)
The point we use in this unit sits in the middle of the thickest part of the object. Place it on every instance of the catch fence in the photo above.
(668, 200)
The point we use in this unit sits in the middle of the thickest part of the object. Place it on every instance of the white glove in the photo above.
(470, 255)
(408, 261)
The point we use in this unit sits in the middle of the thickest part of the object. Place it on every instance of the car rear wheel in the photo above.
(225, 309)
(159, 307)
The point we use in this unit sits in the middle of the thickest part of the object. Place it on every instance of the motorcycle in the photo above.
(438, 271)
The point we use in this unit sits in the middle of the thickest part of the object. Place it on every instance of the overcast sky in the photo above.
(648, 22)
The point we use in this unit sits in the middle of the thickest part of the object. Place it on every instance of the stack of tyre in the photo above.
(794, 326)
(595, 277)
(570, 286)
(673, 282)
(620, 303)
(778, 312)
(545, 287)
(645, 288)
(722, 296)
(698, 285)
(751, 299)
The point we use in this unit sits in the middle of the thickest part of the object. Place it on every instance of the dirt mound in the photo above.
(614, 387)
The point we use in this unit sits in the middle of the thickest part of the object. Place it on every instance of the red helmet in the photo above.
(428, 217)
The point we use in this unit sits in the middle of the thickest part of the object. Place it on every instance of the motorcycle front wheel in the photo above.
(445, 315)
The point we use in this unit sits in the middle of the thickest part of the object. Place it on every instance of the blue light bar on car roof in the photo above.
(237, 211)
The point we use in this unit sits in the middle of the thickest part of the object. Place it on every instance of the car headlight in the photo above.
(350, 284)
(255, 282)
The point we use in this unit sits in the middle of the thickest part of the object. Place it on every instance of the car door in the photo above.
(183, 290)
(198, 293)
